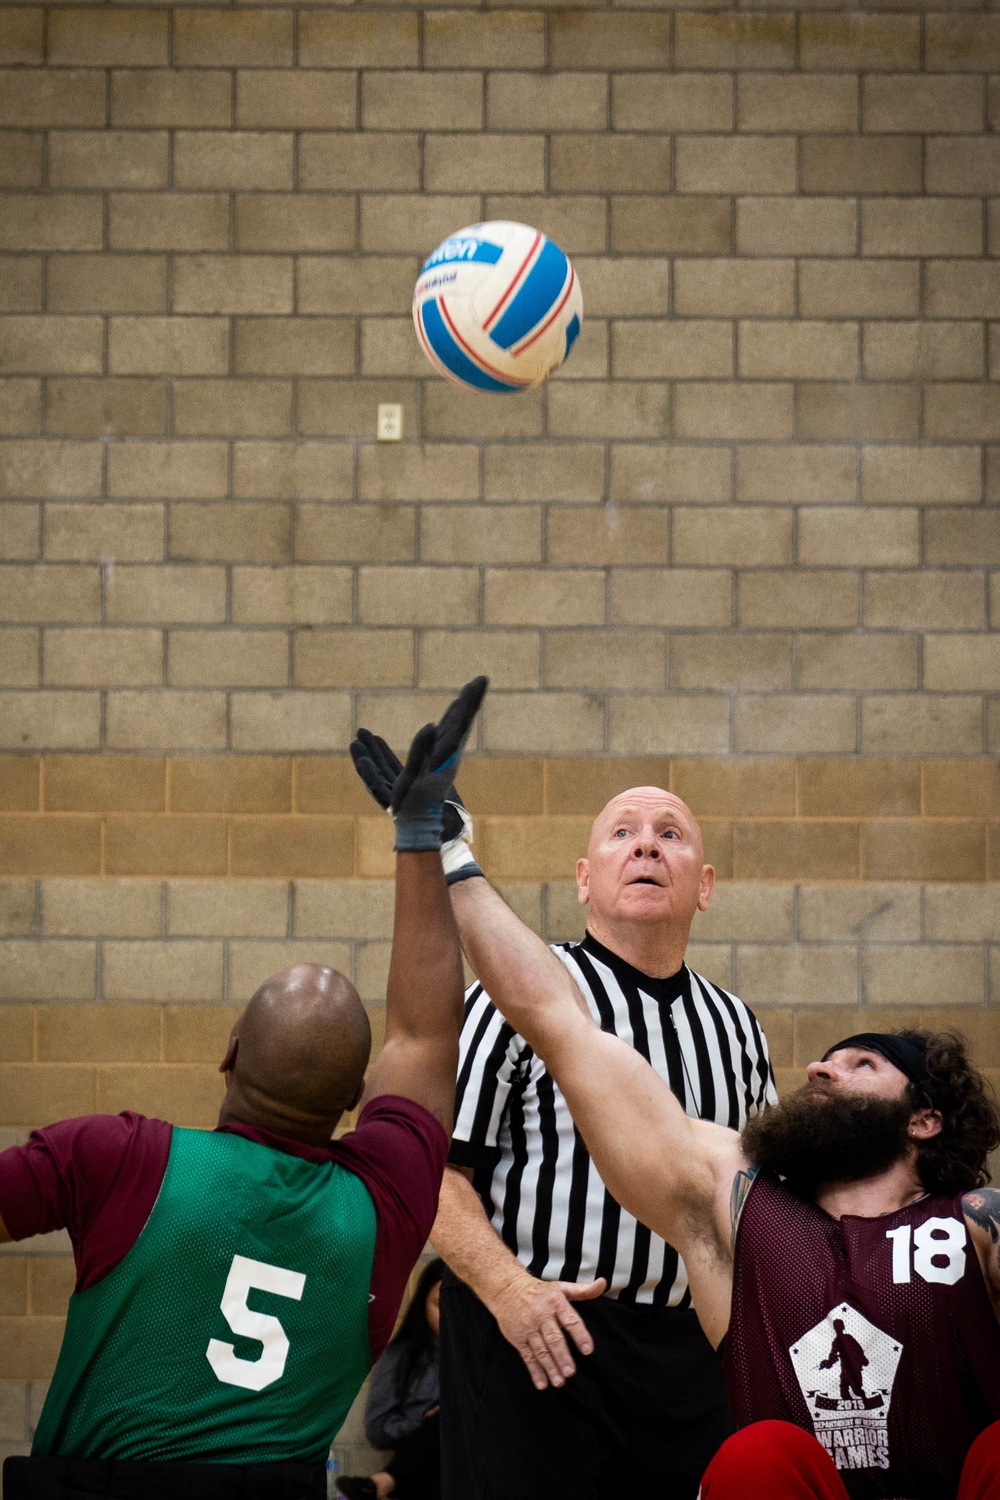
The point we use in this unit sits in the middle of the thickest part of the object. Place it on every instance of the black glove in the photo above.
(378, 765)
(416, 793)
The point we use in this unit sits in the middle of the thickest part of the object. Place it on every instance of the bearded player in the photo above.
(234, 1286)
(843, 1249)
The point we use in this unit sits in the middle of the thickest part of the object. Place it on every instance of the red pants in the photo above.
(777, 1461)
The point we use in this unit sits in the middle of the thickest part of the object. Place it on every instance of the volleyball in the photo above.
(497, 307)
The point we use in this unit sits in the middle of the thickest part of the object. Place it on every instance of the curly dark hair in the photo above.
(955, 1160)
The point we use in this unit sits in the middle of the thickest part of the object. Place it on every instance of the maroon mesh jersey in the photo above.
(877, 1335)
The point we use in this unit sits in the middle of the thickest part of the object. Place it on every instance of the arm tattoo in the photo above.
(982, 1207)
(742, 1183)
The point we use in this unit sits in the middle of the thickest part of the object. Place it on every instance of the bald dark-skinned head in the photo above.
(297, 1055)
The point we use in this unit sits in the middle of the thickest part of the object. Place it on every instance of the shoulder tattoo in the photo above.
(742, 1183)
(982, 1206)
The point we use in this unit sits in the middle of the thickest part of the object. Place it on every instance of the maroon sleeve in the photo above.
(398, 1150)
(97, 1176)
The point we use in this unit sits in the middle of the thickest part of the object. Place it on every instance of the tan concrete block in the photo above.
(485, 163)
(734, 288)
(355, 284)
(47, 969)
(799, 724)
(292, 471)
(595, 660)
(354, 658)
(168, 346)
(22, 165)
(960, 913)
(582, 39)
(410, 222)
(845, 537)
(922, 725)
(928, 475)
(481, 39)
(795, 851)
(428, 471)
(66, 97)
(670, 101)
(957, 788)
(365, 160)
(658, 473)
(576, 222)
(108, 159)
(479, 533)
(107, 283)
(167, 594)
(46, 345)
(584, 786)
(857, 661)
(810, 598)
(227, 908)
(722, 410)
(671, 348)
(450, 412)
(740, 788)
(683, 225)
(931, 226)
(749, 913)
(98, 1034)
(734, 41)
(539, 101)
(234, 284)
(568, 472)
(853, 42)
(776, 349)
(330, 784)
(967, 536)
(228, 658)
(290, 721)
(625, 288)
(594, 163)
(856, 289)
(859, 164)
(233, 159)
(243, 532)
(354, 39)
(34, 1091)
(293, 847)
(355, 533)
(52, 721)
(108, 38)
(101, 908)
(168, 221)
(197, 1033)
(777, 226)
(961, 410)
(928, 600)
(230, 784)
(166, 846)
(921, 975)
(745, 536)
(933, 102)
(233, 39)
(103, 658)
(963, 43)
(168, 470)
(853, 788)
(188, 1096)
(166, 720)
(20, 416)
(962, 663)
(19, 658)
(34, 221)
(23, 39)
(731, 661)
(912, 850)
(607, 535)
(106, 408)
(515, 596)
(286, 99)
(510, 658)
(609, 409)
(736, 164)
(20, 531)
(17, 919)
(860, 913)
(360, 910)
(104, 783)
(171, 96)
(293, 346)
(389, 348)
(962, 164)
(777, 101)
(428, 100)
(48, 592)
(909, 351)
(287, 221)
(543, 723)
(673, 723)
(233, 408)
(300, 595)
(961, 290)
(773, 974)
(349, 408)
(675, 597)
(825, 410)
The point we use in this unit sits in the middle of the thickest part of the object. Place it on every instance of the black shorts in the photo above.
(643, 1414)
(113, 1479)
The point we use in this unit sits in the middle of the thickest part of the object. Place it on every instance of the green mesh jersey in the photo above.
(235, 1330)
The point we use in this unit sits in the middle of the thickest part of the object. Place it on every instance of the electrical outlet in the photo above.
(389, 428)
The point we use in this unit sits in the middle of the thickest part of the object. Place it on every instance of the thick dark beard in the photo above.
(822, 1136)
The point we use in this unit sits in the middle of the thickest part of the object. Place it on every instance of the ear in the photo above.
(925, 1125)
(583, 881)
(229, 1061)
(707, 886)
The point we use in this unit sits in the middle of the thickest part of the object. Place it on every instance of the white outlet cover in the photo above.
(389, 428)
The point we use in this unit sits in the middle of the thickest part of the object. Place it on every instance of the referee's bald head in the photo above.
(644, 798)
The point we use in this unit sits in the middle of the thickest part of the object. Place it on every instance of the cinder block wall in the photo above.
(746, 546)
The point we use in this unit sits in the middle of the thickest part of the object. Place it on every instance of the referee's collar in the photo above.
(665, 991)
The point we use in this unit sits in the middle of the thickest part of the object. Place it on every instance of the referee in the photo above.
(543, 1257)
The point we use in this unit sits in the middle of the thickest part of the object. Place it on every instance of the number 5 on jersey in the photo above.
(245, 1275)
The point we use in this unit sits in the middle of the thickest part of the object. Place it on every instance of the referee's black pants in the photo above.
(642, 1416)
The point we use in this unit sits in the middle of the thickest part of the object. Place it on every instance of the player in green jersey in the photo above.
(234, 1286)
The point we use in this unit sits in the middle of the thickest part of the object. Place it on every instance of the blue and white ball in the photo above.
(497, 307)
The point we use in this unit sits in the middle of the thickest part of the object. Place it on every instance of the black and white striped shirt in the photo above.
(533, 1172)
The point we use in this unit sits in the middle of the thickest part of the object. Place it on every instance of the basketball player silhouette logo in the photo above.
(852, 1359)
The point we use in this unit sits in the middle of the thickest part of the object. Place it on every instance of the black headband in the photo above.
(908, 1056)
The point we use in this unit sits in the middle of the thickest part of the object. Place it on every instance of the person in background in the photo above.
(402, 1408)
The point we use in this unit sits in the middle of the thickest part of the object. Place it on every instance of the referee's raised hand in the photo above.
(536, 1316)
